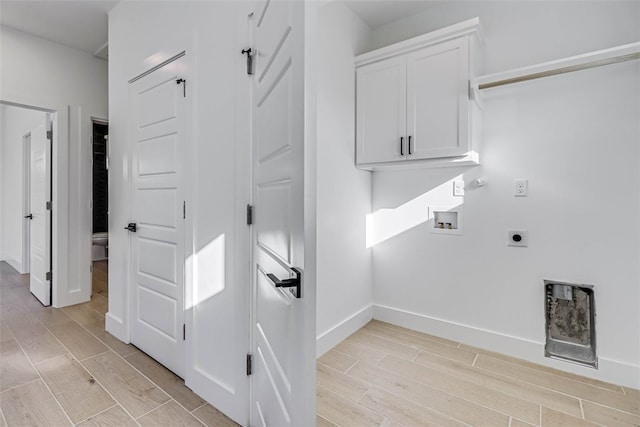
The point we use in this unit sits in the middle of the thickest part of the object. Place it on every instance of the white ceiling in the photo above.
(379, 12)
(81, 24)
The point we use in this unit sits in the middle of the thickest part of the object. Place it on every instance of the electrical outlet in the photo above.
(521, 188)
(458, 187)
(518, 238)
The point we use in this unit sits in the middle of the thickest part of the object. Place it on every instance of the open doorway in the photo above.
(26, 138)
(100, 209)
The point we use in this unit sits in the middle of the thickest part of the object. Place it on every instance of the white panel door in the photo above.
(40, 234)
(157, 245)
(381, 111)
(438, 100)
(279, 384)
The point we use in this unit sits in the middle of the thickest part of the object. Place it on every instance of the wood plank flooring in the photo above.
(385, 375)
(60, 367)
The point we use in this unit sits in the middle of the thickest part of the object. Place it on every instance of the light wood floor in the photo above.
(384, 375)
(60, 367)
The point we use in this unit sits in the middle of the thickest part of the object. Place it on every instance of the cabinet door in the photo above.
(438, 100)
(381, 111)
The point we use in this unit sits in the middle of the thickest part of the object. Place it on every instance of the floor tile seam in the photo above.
(351, 401)
(103, 386)
(166, 403)
(201, 420)
(345, 354)
(448, 393)
(610, 407)
(411, 402)
(98, 338)
(47, 386)
(386, 352)
(20, 385)
(169, 395)
(560, 376)
(201, 406)
(115, 404)
(578, 398)
(342, 395)
(462, 376)
(68, 350)
(404, 343)
(108, 350)
(54, 357)
(73, 357)
(151, 410)
(4, 419)
(412, 332)
(431, 338)
(457, 395)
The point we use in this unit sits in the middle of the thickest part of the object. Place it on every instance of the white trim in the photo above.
(26, 202)
(14, 263)
(332, 337)
(609, 370)
(469, 27)
(574, 63)
(116, 327)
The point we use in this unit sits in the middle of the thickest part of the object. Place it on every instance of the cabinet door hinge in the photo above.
(48, 206)
(50, 135)
(249, 364)
(184, 332)
(249, 215)
(48, 276)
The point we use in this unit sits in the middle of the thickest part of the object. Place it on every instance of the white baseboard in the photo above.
(14, 263)
(329, 339)
(609, 370)
(115, 326)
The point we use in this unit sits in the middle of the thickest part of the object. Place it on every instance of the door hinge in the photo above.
(184, 210)
(249, 53)
(50, 135)
(249, 215)
(183, 82)
(47, 276)
(248, 364)
(184, 332)
(49, 207)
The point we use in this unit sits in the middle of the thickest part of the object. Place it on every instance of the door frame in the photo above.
(101, 121)
(55, 262)
(26, 202)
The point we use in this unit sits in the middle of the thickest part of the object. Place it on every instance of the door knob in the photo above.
(295, 283)
(30, 216)
(132, 227)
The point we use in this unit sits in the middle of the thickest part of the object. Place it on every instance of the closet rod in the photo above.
(599, 58)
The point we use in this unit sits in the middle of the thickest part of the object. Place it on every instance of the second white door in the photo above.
(157, 215)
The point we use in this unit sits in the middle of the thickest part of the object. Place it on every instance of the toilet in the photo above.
(101, 239)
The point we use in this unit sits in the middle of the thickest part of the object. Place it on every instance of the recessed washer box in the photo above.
(445, 220)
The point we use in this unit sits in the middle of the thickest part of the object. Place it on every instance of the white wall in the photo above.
(212, 34)
(344, 293)
(575, 138)
(15, 123)
(40, 73)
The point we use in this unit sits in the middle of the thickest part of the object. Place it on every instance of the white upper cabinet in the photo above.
(381, 112)
(413, 101)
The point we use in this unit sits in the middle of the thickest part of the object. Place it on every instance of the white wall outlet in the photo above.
(458, 187)
(521, 188)
(518, 238)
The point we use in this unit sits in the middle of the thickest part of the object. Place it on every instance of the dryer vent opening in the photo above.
(570, 323)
